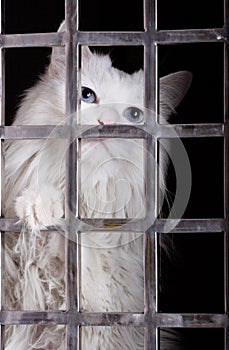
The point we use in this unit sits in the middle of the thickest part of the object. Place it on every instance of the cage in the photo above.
(187, 293)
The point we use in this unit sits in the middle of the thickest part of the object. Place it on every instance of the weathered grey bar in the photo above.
(190, 36)
(182, 226)
(191, 130)
(32, 40)
(179, 226)
(2, 121)
(110, 131)
(71, 193)
(151, 172)
(113, 38)
(108, 319)
(226, 170)
(29, 132)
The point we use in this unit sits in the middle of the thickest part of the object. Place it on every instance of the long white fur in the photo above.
(112, 263)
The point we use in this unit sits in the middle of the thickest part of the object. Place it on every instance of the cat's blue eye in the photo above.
(133, 114)
(88, 95)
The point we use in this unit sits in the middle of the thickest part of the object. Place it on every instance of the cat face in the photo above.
(111, 96)
(112, 172)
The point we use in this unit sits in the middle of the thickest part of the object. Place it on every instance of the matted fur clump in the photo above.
(112, 185)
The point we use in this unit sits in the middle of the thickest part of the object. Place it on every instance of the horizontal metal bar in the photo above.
(33, 317)
(162, 320)
(110, 38)
(113, 38)
(109, 319)
(27, 132)
(190, 36)
(159, 225)
(191, 320)
(192, 225)
(138, 226)
(70, 317)
(32, 40)
(23, 132)
(159, 37)
(190, 130)
(110, 131)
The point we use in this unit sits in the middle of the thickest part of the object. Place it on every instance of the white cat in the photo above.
(112, 185)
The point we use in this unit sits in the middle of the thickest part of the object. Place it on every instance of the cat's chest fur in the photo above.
(112, 179)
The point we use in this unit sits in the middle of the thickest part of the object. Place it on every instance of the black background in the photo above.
(192, 277)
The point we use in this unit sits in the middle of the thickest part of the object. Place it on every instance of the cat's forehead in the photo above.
(111, 84)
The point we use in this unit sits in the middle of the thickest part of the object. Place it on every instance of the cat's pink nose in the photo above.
(101, 122)
(108, 116)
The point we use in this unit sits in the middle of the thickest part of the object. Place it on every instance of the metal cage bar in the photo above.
(226, 166)
(149, 256)
(72, 77)
(184, 225)
(151, 37)
(114, 38)
(168, 320)
(2, 122)
(20, 132)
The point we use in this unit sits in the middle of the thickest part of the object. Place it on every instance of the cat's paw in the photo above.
(37, 210)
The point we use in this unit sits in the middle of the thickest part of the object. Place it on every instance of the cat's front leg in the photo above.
(37, 209)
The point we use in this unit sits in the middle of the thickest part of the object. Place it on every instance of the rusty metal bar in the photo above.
(22, 132)
(150, 241)
(116, 225)
(71, 84)
(226, 168)
(32, 40)
(109, 319)
(2, 166)
(190, 36)
(113, 38)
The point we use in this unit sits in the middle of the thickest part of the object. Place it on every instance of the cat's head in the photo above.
(112, 169)
(111, 96)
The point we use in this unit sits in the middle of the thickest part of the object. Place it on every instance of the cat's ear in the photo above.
(86, 53)
(58, 56)
(62, 27)
(173, 88)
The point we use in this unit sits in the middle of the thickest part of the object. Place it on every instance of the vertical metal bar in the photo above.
(150, 58)
(226, 164)
(151, 340)
(2, 111)
(150, 97)
(1, 164)
(72, 70)
(226, 17)
(226, 342)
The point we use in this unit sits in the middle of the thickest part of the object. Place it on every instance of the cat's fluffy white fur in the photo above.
(112, 185)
